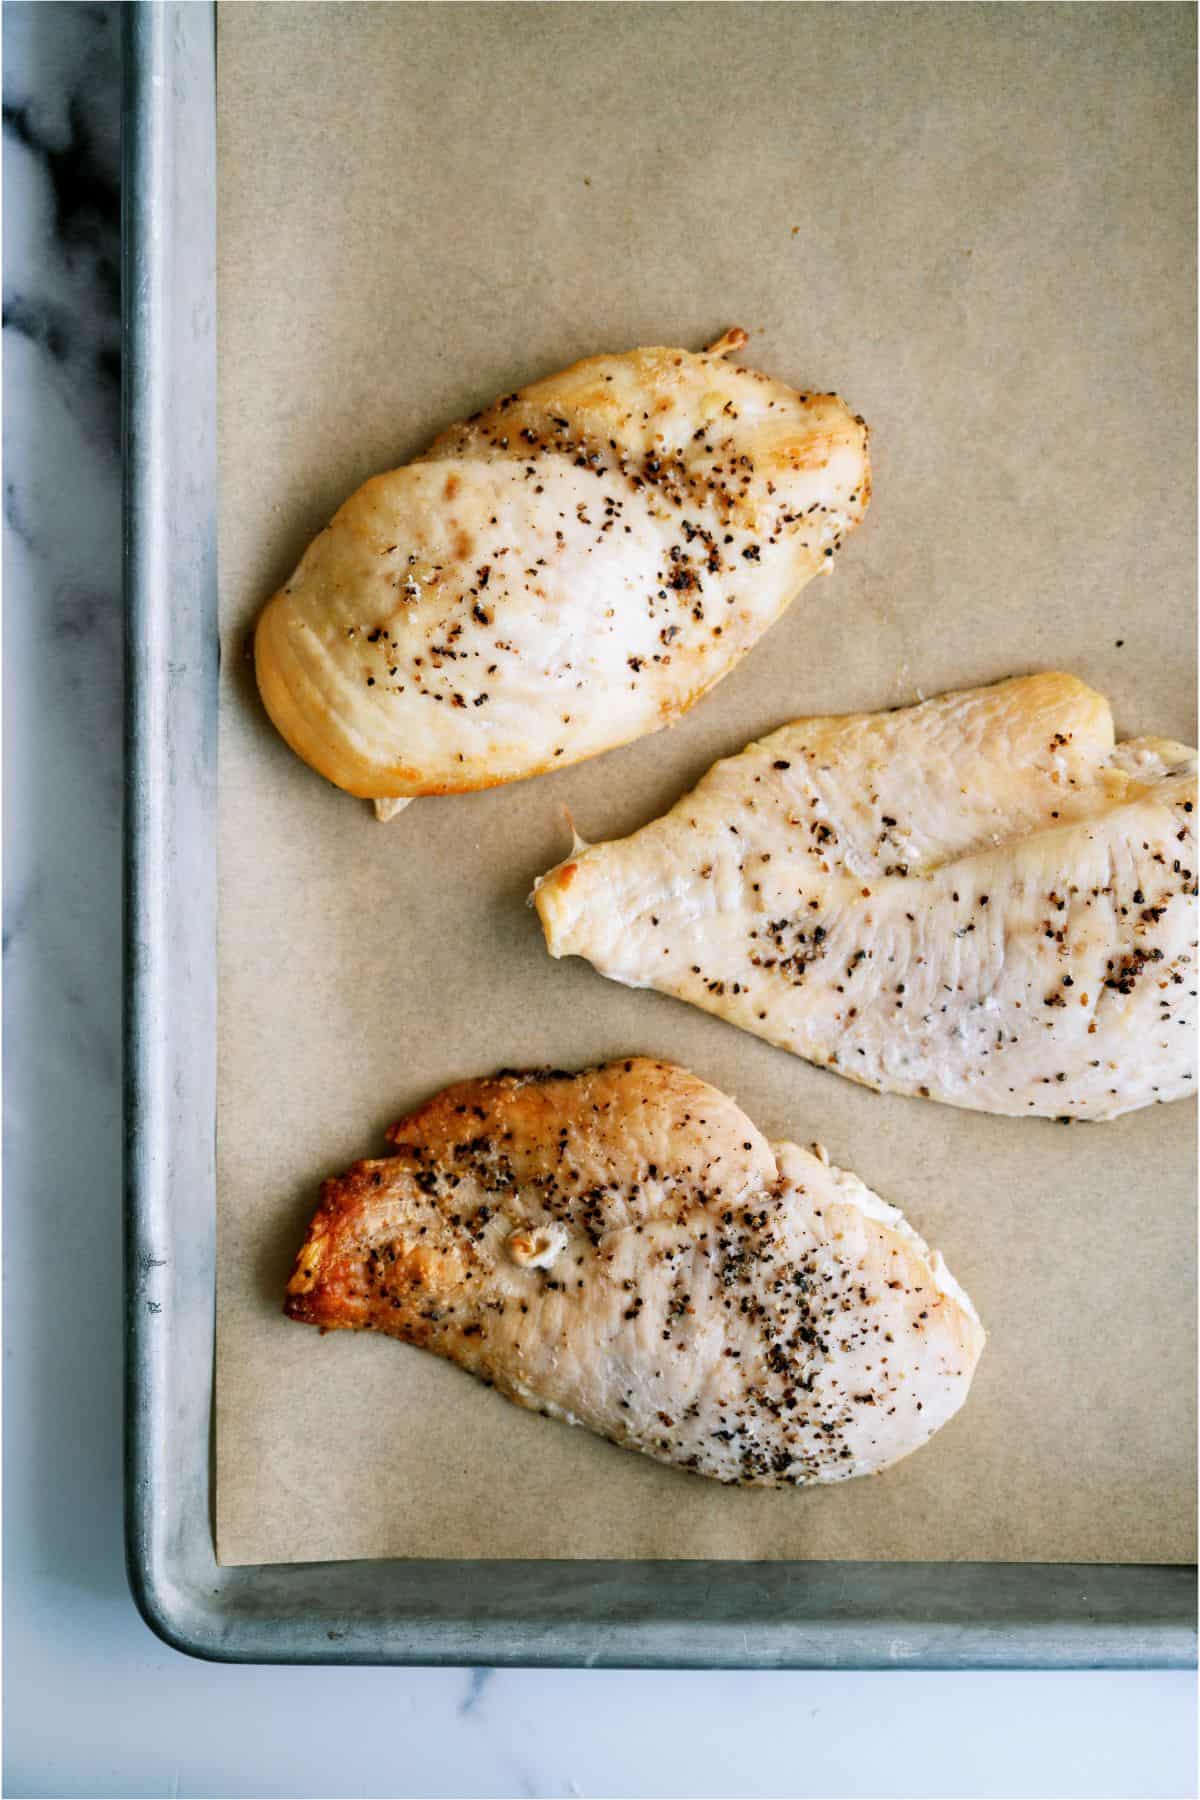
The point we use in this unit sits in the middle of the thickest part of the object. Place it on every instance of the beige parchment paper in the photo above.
(974, 222)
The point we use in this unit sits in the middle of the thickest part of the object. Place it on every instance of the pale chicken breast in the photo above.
(559, 574)
(981, 900)
(622, 1249)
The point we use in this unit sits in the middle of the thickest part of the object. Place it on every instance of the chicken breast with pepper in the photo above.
(567, 570)
(622, 1249)
(983, 900)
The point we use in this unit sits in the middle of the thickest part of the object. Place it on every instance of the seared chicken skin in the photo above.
(622, 1249)
(981, 900)
(561, 573)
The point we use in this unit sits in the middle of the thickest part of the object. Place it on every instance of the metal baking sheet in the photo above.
(704, 1614)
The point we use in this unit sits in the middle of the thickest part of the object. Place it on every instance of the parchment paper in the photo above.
(976, 223)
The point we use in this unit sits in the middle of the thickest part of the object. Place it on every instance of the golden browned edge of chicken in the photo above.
(565, 571)
(623, 1249)
(983, 899)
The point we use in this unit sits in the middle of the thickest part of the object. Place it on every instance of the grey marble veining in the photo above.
(62, 774)
(95, 1705)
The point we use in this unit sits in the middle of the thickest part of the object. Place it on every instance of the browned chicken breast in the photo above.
(561, 573)
(622, 1249)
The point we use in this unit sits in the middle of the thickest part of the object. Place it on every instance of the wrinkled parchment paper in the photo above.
(976, 223)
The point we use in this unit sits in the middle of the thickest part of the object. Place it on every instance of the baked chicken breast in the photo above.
(622, 1249)
(563, 572)
(983, 900)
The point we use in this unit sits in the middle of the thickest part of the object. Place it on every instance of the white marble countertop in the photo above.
(95, 1705)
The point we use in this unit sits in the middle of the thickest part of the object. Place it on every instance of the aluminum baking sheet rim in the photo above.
(637, 1614)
